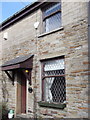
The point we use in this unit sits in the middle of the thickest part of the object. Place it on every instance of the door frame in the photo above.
(27, 82)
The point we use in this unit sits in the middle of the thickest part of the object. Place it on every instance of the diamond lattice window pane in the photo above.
(54, 72)
(54, 81)
(54, 89)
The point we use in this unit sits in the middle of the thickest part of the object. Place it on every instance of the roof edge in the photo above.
(21, 14)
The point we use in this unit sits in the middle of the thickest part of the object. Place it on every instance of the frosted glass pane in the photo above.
(54, 65)
(53, 22)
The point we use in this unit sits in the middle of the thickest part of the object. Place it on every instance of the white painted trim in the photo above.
(27, 82)
(15, 95)
(40, 80)
(52, 31)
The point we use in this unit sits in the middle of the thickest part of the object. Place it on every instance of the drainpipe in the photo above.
(89, 59)
(36, 24)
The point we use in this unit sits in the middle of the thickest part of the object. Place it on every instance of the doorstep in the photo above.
(22, 115)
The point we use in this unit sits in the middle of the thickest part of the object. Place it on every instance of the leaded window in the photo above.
(53, 81)
(52, 17)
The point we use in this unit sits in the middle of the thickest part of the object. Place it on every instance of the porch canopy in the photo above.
(23, 63)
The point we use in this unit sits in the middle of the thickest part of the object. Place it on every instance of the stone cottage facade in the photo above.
(44, 59)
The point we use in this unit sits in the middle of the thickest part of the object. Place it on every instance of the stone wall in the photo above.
(71, 41)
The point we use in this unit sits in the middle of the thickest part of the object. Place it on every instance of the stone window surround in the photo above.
(48, 33)
(52, 104)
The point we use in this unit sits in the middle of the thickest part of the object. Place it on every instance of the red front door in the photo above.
(23, 93)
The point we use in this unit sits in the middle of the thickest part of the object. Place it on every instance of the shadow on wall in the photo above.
(5, 94)
(3, 111)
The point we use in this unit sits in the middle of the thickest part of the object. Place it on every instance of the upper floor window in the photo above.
(52, 17)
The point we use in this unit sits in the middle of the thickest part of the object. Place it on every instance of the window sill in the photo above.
(53, 31)
(52, 105)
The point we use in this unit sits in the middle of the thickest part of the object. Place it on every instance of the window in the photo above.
(52, 17)
(53, 81)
